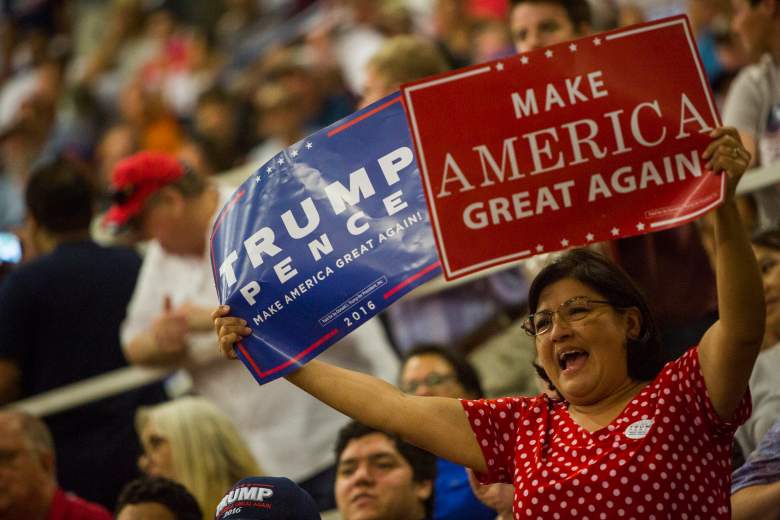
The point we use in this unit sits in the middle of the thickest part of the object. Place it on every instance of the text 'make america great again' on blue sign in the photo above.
(323, 237)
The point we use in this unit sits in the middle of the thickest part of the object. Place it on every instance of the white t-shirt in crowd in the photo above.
(290, 433)
(753, 107)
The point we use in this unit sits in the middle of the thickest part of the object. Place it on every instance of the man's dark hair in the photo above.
(191, 184)
(423, 463)
(464, 371)
(60, 196)
(608, 279)
(578, 11)
(163, 491)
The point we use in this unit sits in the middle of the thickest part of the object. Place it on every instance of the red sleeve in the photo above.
(685, 378)
(494, 423)
(66, 506)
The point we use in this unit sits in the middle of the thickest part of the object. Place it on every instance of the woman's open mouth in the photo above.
(572, 360)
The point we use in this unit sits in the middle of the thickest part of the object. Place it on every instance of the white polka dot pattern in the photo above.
(666, 456)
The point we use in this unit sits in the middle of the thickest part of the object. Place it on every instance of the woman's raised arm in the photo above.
(728, 350)
(435, 424)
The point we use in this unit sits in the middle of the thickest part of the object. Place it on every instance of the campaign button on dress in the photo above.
(639, 429)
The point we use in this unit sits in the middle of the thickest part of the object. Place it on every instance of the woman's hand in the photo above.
(229, 329)
(498, 497)
(727, 154)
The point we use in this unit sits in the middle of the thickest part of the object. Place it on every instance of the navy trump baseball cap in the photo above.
(267, 498)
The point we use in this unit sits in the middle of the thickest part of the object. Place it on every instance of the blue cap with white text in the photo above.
(267, 498)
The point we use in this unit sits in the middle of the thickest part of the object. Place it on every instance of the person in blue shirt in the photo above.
(432, 370)
(755, 488)
(80, 290)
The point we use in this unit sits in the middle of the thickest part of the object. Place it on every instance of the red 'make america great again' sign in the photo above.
(586, 141)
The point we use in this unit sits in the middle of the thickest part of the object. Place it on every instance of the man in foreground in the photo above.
(380, 477)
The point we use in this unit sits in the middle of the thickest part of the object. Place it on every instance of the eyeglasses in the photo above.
(574, 309)
(431, 380)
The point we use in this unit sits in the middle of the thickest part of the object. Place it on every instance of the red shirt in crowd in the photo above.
(667, 455)
(65, 506)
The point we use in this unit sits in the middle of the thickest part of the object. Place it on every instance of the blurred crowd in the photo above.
(96, 94)
(226, 84)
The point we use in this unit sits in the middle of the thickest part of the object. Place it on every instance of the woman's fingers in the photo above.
(227, 342)
(218, 315)
(473, 482)
(229, 329)
(239, 330)
(229, 323)
(732, 153)
(726, 142)
(220, 311)
(725, 131)
(724, 136)
(226, 345)
(732, 160)
(726, 154)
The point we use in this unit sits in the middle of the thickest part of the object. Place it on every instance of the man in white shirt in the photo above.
(169, 324)
(753, 101)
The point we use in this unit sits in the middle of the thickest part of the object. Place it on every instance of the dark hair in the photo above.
(423, 463)
(542, 373)
(216, 95)
(161, 491)
(767, 237)
(190, 185)
(464, 371)
(608, 279)
(578, 11)
(60, 196)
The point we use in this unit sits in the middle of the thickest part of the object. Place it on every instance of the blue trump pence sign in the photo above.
(323, 237)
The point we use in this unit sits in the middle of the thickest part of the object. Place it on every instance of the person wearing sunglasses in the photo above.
(630, 437)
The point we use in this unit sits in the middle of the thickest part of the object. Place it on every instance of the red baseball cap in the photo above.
(135, 179)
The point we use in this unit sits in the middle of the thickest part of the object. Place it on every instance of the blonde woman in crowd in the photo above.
(190, 441)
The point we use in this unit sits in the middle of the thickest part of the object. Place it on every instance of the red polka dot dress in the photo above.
(666, 456)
